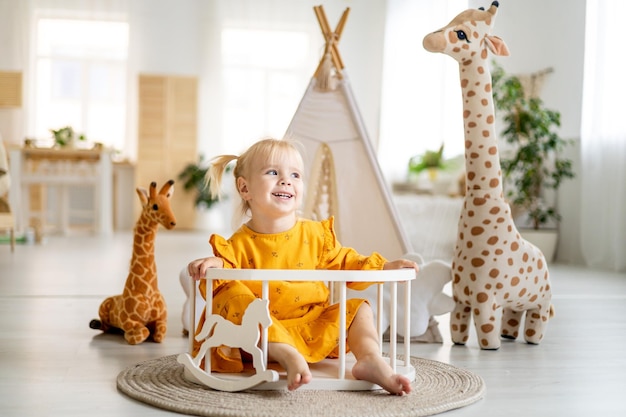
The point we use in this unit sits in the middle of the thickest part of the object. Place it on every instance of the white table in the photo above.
(61, 169)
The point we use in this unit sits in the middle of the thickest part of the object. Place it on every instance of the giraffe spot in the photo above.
(484, 342)
(470, 244)
(457, 278)
(525, 257)
(471, 125)
(474, 155)
(494, 210)
(487, 286)
(492, 240)
(487, 328)
(484, 102)
(515, 281)
(476, 262)
(533, 298)
(506, 296)
(483, 53)
(510, 261)
(464, 83)
(513, 323)
(494, 273)
(486, 221)
(485, 133)
(468, 61)
(485, 253)
(471, 175)
(530, 332)
(499, 252)
(468, 144)
(470, 213)
(493, 150)
(494, 182)
(479, 201)
(514, 246)
(482, 297)
(466, 290)
(466, 113)
(488, 164)
(540, 264)
(522, 292)
(464, 329)
(488, 90)
(499, 286)
(477, 230)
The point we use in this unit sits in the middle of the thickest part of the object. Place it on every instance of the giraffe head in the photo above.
(156, 205)
(467, 37)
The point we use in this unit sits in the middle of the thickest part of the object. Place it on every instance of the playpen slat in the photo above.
(393, 325)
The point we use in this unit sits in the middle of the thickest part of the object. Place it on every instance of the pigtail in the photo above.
(214, 175)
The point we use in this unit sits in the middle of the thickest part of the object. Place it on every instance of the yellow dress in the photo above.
(301, 313)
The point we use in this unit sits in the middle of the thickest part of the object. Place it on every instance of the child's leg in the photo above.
(370, 365)
(298, 372)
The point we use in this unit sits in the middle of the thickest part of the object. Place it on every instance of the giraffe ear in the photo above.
(497, 46)
(143, 195)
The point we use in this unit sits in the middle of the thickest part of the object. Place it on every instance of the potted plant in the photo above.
(66, 137)
(533, 164)
(429, 160)
(194, 179)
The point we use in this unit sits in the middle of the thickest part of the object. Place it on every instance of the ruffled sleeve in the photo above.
(336, 256)
(223, 249)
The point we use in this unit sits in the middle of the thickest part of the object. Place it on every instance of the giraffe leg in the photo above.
(536, 321)
(136, 333)
(459, 323)
(511, 321)
(486, 329)
(160, 328)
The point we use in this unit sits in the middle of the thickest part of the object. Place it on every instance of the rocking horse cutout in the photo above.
(217, 331)
(251, 335)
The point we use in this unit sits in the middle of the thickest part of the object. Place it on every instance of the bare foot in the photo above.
(375, 369)
(298, 372)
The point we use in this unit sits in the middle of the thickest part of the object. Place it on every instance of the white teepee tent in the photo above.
(344, 178)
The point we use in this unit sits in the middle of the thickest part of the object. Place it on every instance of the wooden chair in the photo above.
(330, 374)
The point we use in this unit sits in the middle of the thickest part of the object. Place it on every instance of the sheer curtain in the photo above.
(421, 98)
(603, 197)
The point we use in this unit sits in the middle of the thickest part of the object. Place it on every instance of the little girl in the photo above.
(304, 326)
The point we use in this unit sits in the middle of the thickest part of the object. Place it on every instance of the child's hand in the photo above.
(402, 263)
(197, 269)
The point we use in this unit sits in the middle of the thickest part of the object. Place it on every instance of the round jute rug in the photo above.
(438, 387)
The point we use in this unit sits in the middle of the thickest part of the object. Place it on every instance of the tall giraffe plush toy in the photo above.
(140, 310)
(492, 266)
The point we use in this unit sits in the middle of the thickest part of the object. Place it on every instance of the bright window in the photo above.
(81, 79)
(265, 73)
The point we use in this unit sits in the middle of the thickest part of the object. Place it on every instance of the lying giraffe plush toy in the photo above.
(493, 266)
(140, 310)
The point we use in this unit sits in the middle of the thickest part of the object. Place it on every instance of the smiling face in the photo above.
(273, 189)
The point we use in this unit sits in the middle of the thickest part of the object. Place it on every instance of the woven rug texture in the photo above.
(438, 387)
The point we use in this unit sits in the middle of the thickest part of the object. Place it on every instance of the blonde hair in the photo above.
(263, 150)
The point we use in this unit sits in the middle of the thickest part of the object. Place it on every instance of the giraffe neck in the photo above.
(142, 265)
(482, 160)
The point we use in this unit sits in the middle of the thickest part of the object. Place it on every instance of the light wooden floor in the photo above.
(52, 364)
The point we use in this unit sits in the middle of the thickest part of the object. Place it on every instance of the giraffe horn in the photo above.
(167, 189)
(493, 9)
